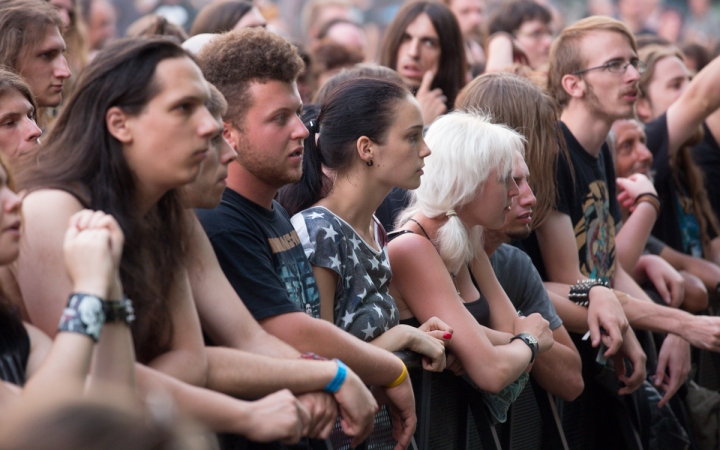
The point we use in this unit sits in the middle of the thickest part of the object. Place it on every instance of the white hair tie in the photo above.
(451, 213)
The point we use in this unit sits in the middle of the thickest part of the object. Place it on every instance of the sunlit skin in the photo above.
(535, 38)
(493, 202)
(618, 90)
(45, 68)
(167, 142)
(519, 218)
(18, 131)
(669, 81)
(269, 140)
(419, 51)
(631, 154)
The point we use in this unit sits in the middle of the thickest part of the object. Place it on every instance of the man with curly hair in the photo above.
(256, 245)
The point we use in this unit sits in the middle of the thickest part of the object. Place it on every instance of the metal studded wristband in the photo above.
(580, 291)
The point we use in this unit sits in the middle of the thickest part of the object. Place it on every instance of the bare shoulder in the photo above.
(43, 207)
(410, 246)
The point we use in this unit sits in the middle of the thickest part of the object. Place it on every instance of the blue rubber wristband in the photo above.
(334, 385)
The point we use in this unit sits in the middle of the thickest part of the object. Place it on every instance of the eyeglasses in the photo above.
(617, 66)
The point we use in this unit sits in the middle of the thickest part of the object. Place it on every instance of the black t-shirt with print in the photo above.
(586, 193)
(262, 257)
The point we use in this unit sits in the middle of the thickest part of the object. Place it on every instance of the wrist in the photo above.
(530, 341)
(98, 288)
(341, 373)
(401, 378)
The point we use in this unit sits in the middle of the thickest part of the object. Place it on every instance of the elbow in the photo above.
(572, 387)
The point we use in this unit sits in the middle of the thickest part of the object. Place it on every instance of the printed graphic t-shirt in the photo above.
(592, 205)
(363, 305)
(262, 257)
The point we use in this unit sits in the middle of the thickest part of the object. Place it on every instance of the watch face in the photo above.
(531, 339)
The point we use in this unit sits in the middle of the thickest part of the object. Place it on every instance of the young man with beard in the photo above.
(252, 236)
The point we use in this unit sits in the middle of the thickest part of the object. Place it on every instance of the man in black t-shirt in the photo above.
(255, 243)
(594, 71)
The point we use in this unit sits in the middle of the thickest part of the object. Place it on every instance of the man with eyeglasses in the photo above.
(593, 74)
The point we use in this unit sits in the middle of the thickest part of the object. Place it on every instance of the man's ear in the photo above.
(231, 134)
(117, 123)
(643, 109)
(573, 85)
(365, 148)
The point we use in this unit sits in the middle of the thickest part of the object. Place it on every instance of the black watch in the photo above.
(119, 311)
(531, 342)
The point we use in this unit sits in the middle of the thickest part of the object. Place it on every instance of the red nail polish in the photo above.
(447, 335)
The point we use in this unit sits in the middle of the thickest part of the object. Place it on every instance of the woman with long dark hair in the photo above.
(368, 135)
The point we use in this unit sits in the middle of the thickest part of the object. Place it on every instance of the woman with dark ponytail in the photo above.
(366, 140)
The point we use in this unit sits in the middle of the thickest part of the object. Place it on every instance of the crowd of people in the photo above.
(214, 235)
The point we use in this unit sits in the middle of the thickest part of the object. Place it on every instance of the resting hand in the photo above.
(402, 411)
(702, 332)
(357, 407)
(89, 257)
(631, 187)
(667, 281)
(605, 311)
(537, 326)
(432, 102)
(675, 356)
(279, 416)
(323, 412)
(631, 350)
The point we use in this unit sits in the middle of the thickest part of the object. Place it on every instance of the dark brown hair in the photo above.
(510, 16)
(356, 108)
(220, 16)
(236, 59)
(521, 105)
(22, 26)
(154, 25)
(83, 158)
(452, 68)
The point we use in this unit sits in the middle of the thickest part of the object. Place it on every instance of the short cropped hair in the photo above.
(510, 16)
(234, 60)
(565, 54)
(23, 24)
(466, 147)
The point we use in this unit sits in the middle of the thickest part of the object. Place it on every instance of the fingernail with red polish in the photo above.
(447, 335)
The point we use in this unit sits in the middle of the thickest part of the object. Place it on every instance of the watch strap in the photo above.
(531, 342)
(119, 311)
(84, 314)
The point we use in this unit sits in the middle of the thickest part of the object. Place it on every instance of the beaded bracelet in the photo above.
(398, 381)
(580, 291)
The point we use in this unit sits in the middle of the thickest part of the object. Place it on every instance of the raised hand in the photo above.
(432, 102)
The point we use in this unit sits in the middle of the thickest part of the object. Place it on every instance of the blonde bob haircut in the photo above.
(466, 148)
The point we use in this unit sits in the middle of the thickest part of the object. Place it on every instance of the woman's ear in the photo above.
(365, 148)
(117, 124)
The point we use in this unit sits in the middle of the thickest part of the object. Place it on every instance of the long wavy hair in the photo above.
(466, 147)
(684, 170)
(84, 159)
(521, 105)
